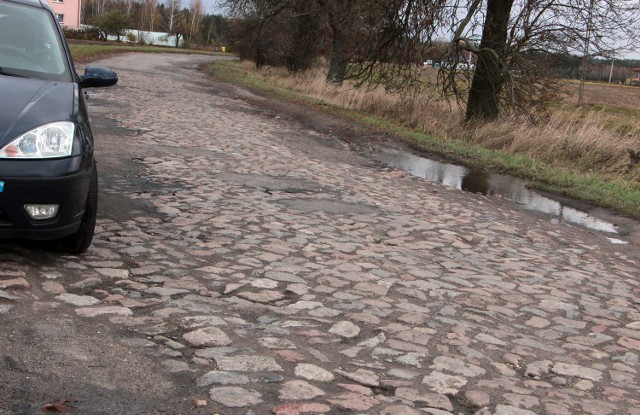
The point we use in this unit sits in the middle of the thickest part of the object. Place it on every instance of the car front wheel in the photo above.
(80, 241)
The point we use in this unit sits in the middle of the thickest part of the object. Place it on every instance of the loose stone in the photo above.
(207, 337)
(362, 376)
(6, 296)
(297, 390)
(444, 384)
(566, 369)
(14, 283)
(244, 363)
(78, 300)
(345, 329)
(432, 400)
(115, 273)
(235, 397)
(313, 372)
(354, 401)
(51, 287)
(99, 311)
(478, 398)
(441, 363)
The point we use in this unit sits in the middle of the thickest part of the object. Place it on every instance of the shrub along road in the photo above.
(247, 264)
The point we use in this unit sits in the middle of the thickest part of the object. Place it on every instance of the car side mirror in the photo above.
(97, 77)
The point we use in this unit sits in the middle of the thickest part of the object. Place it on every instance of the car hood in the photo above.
(29, 103)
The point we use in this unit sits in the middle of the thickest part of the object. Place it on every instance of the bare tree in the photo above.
(370, 41)
(210, 29)
(148, 15)
(509, 37)
(342, 17)
(392, 39)
(196, 14)
(213, 29)
(267, 29)
(496, 60)
(129, 6)
(174, 20)
(172, 14)
(92, 9)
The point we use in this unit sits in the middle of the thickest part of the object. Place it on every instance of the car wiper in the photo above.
(7, 73)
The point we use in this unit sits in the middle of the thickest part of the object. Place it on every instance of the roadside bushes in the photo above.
(85, 33)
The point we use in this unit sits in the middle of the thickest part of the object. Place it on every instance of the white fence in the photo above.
(149, 38)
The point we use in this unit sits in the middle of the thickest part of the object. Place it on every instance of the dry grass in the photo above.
(614, 95)
(579, 137)
(426, 111)
(601, 137)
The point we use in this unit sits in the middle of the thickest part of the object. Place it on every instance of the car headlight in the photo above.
(47, 141)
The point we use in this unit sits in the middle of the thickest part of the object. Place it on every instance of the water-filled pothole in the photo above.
(491, 184)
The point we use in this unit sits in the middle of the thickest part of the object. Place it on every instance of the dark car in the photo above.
(48, 176)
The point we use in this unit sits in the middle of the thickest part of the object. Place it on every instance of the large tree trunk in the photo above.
(259, 56)
(489, 77)
(340, 20)
(304, 47)
(338, 65)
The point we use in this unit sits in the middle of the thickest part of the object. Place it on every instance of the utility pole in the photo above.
(611, 71)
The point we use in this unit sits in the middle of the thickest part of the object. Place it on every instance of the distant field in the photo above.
(613, 95)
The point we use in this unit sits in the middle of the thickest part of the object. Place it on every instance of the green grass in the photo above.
(83, 52)
(618, 194)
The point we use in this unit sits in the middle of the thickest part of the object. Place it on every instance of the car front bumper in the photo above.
(58, 181)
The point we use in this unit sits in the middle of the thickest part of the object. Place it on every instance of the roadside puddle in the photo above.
(496, 185)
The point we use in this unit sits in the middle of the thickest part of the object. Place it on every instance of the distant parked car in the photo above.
(48, 176)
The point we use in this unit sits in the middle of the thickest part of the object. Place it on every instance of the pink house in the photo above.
(67, 12)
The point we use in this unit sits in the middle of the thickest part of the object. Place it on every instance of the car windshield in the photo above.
(30, 45)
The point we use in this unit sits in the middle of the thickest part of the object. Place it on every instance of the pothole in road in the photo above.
(294, 185)
(498, 185)
(329, 206)
(271, 183)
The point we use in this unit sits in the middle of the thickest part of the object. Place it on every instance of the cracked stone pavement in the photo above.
(265, 268)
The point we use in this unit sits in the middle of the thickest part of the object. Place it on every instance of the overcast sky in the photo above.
(211, 6)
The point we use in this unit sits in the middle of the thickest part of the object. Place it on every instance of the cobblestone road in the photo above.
(280, 274)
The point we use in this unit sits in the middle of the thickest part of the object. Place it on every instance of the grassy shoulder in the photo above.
(84, 52)
(620, 194)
